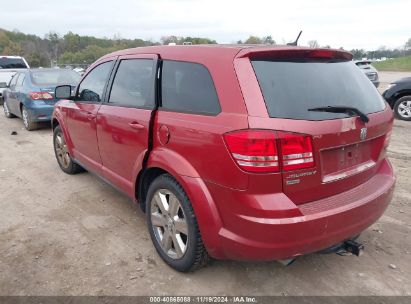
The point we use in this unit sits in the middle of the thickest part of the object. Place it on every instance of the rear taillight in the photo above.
(40, 96)
(253, 150)
(266, 151)
(296, 151)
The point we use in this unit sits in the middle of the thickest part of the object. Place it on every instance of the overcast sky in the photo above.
(366, 24)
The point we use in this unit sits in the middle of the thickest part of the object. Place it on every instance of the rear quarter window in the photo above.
(291, 88)
(188, 87)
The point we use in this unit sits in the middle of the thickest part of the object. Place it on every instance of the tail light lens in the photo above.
(253, 150)
(296, 151)
(40, 96)
(263, 151)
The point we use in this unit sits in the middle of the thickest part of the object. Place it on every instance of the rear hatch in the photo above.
(345, 150)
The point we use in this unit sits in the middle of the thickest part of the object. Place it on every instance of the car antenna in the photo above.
(296, 40)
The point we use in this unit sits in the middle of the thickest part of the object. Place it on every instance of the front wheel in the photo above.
(28, 122)
(63, 157)
(402, 108)
(173, 226)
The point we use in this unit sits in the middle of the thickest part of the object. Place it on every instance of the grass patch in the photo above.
(401, 64)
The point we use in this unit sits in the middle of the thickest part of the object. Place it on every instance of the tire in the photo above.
(7, 111)
(28, 122)
(183, 249)
(402, 108)
(63, 157)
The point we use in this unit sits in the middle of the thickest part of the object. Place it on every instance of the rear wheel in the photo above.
(28, 122)
(7, 111)
(63, 157)
(402, 108)
(173, 226)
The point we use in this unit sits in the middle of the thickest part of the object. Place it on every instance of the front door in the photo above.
(13, 102)
(82, 116)
(123, 121)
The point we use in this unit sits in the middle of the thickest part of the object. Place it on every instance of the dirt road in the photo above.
(74, 235)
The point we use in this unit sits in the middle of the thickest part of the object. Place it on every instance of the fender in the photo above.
(171, 161)
(57, 114)
(205, 209)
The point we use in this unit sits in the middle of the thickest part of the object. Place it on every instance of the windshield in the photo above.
(12, 63)
(291, 88)
(55, 77)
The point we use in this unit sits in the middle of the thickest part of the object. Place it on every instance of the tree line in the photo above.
(72, 48)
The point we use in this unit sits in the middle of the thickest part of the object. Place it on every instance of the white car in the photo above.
(9, 65)
(369, 71)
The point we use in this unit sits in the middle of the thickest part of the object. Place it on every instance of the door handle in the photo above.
(136, 126)
(90, 116)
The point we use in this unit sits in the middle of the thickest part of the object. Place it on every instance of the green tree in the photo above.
(13, 49)
(408, 44)
(313, 44)
(253, 40)
(268, 40)
(71, 42)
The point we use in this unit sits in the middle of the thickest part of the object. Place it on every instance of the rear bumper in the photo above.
(311, 227)
(40, 113)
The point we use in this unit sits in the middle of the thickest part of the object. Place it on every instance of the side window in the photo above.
(92, 87)
(188, 87)
(133, 84)
(20, 81)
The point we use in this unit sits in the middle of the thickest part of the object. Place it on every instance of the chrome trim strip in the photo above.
(300, 155)
(254, 158)
(298, 161)
(261, 164)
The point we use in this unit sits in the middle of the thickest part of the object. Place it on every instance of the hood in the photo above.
(404, 80)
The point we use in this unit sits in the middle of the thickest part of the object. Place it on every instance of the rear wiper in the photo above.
(342, 109)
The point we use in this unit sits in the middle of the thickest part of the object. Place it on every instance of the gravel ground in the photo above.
(74, 235)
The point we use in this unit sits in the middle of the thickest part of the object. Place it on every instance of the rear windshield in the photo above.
(291, 88)
(55, 77)
(12, 63)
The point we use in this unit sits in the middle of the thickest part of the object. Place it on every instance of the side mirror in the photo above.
(63, 92)
(3, 85)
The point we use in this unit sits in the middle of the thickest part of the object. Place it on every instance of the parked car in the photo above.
(8, 67)
(233, 152)
(398, 95)
(31, 94)
(5, 78)
(13, 63)
(369, 71)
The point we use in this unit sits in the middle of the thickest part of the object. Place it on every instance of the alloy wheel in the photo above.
(62, 151)
(404, 109)
(6, 109)
(169, 223)
(25, 115)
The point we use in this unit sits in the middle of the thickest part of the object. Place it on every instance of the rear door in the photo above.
(323, 153)
(82, 115)
(123, 121)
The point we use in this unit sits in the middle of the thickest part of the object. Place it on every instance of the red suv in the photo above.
(233, 152)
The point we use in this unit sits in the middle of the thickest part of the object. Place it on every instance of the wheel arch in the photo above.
(399, 95)
(204, 207)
